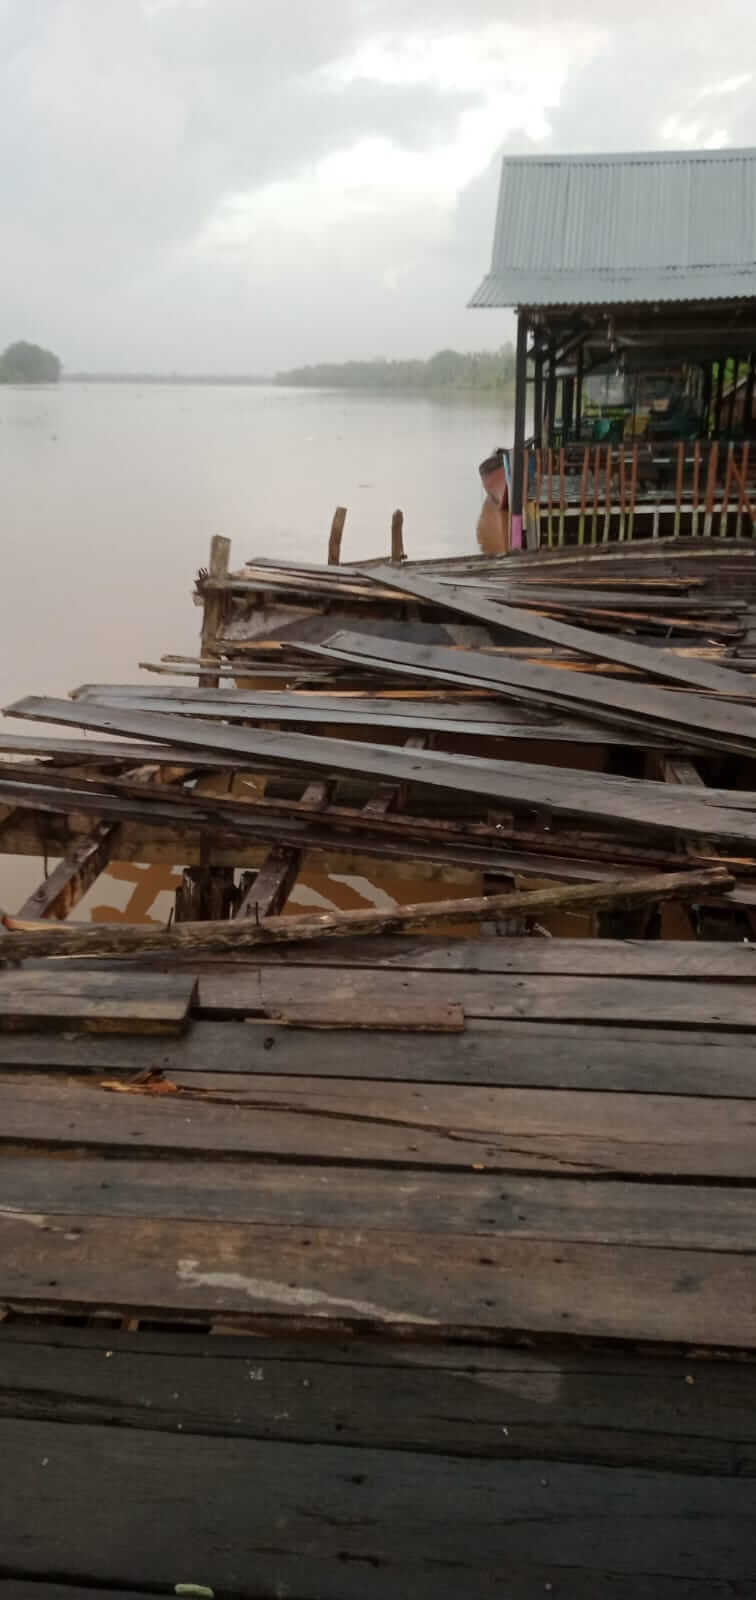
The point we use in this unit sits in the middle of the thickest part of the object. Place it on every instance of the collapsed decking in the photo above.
(477, 1211)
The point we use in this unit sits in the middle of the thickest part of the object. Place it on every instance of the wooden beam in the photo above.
(28, 941)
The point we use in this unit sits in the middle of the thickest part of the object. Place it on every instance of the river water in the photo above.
(110, 493)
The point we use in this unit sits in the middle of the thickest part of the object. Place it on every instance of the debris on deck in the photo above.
(475, 1202)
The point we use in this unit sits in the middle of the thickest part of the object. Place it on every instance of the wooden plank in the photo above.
(675, 1216)
(694, 674)
(33, 940)
(524, 996)
(385, 1280)
(529, 1054)
(581, 795)
(627, 1411)
(685, 959)
(334, 1121)
(700, 722)
(328, 1520)
(96, 1002)
(487, 721)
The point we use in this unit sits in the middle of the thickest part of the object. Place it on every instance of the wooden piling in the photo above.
(335, 536)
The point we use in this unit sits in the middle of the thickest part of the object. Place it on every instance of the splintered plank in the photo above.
(387, 1280)
(322, 1519)
(96, 1002)
(563, 1132)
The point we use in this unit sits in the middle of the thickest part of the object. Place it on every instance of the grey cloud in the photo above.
(124, 124)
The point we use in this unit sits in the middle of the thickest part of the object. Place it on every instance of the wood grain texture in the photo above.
(680, 1216)
(529, 1054)
(96, 1002)
(565, 1404)
(471, 1285)
(560, 1132)
(347, 1524)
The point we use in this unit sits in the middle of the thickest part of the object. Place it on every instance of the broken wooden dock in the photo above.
(346, 1247)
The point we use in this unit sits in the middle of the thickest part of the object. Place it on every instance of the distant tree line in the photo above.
(28, 363)
(448, 369)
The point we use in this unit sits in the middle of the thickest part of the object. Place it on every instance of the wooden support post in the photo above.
(551, 394)
(214, 603)
(718, 402)
(748, 399)
(579, 392)
(711, 481)
(266, 893)
(633, 490)
(335, 536)
(696, 486)
(538, 396)
(708, 383)
(397, 541)
(679, 486)
(732, 397)
(518, 461)
(206, 894)
(583, 495)
(608, 505)
(724, 515)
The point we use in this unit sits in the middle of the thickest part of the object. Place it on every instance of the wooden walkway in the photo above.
(429, 1253)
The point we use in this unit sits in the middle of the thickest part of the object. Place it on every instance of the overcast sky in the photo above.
(241, 185)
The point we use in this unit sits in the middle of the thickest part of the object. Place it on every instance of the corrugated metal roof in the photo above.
(605, 229)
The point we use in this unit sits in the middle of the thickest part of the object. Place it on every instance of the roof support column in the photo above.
(518, 453)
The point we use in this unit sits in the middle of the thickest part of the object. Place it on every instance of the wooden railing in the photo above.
(591, 494)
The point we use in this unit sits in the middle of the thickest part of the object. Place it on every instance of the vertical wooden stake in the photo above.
(334, 540)
(583, 495)
(724, 515)
(696, 486)
(621, 533)
(608, 509)
(397, 542)
(711, 479)
(562, 485)
(215, 600)
(550, 520)
(596, 487)
(538, 482)
(633, 491)
(679, 486)
(743, 495)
